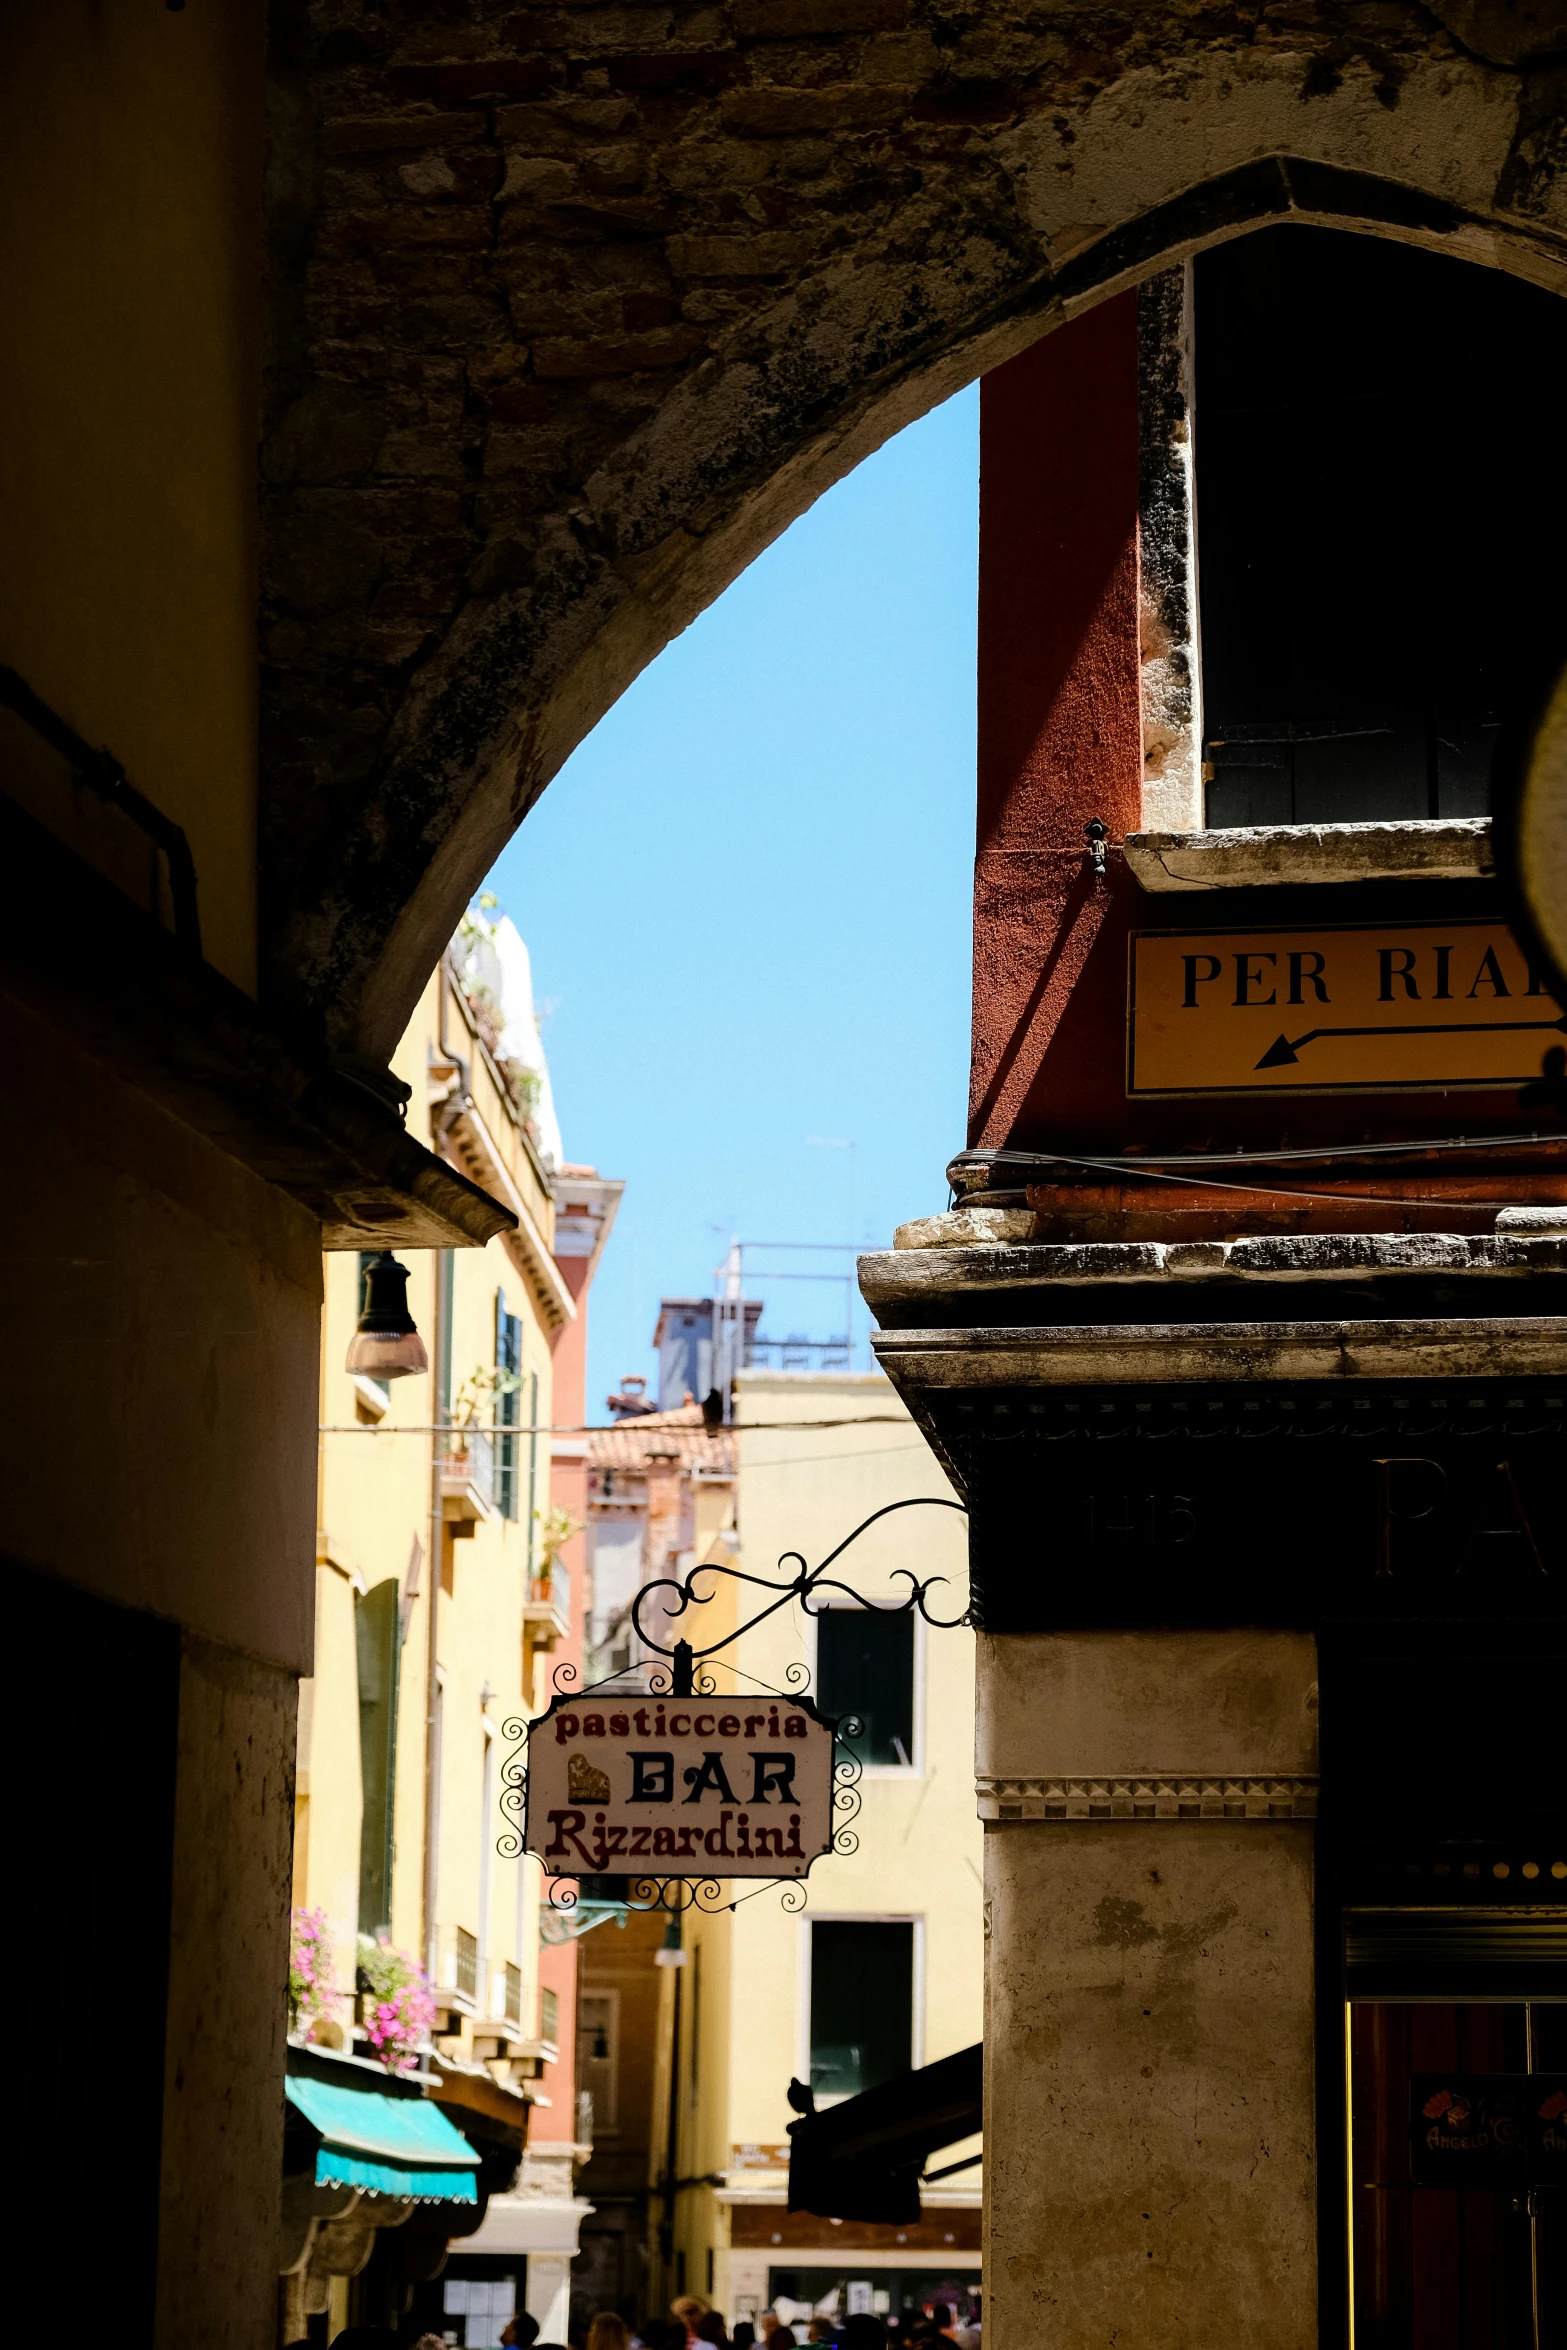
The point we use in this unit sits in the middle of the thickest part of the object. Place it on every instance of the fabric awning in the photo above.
(385, 2145)
(862, 2159)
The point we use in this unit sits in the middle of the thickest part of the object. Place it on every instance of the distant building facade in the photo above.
(450, 1584)
(882, 1969)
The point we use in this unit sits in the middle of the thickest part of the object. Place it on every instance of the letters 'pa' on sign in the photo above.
(620, 1783)
(1335, 1009)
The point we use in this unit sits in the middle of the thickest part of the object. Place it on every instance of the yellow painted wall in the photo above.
(130, 256)
(375, 1506)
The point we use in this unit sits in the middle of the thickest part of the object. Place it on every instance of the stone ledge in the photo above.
(1101, 1355)
(925, 1255)
(1263, 856)
(1134, 1797)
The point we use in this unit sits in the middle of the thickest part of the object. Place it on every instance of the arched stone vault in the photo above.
(575, 309)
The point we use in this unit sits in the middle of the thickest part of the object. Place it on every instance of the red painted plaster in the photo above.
(1060, 729)
(1060, 742)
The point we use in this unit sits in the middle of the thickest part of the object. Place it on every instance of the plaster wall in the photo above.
(326, 1838)
(1150, 2085)
(130, 249)
(160, 1379)
(376, 1524)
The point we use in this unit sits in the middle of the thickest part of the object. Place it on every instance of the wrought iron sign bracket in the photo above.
(576, 1792)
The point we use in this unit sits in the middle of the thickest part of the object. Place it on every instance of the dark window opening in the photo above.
(862, 2004)
(865, 1669)
(1380, 510)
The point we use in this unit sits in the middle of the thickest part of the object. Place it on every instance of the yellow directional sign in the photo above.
(1338, 1009)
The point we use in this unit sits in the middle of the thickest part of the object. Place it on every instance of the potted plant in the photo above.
(394, 2003)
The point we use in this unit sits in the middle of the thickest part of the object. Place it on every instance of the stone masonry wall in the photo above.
(574, 307)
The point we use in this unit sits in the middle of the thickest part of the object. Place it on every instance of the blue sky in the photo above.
(746, 897)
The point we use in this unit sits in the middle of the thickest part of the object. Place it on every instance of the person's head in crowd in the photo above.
(782, 2337)
(862, 2331)
(688, 2307)
(609, 2331)
(744, 2336)
(518, 2333)
(709, 2327)
(941, 2316)
(432, 2342)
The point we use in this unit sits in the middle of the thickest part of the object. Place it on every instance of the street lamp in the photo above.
(386, 1344)
(669, 1952)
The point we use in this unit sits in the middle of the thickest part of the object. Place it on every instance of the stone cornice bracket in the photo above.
(1138, 1798)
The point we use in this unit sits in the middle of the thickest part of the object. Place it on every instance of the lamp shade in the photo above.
(386, 1344)
(669, 1952)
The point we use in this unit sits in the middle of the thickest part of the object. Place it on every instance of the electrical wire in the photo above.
(1335, 1150)
(1372, 1199)
(1160, 1169)
(602, 1427)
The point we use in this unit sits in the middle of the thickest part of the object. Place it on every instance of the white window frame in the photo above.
(859, 1917)
(914, 1768)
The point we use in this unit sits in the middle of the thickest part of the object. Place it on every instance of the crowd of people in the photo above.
(692, 2325)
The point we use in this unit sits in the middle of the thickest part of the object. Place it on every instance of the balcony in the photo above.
(468, 1477)
(546, 1611)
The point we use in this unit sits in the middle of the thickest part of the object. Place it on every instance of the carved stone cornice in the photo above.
(1135, 1797)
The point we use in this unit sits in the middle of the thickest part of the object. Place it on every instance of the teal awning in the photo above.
(386, 2145)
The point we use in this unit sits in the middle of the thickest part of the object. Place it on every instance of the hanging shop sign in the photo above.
(1335, 1009)
(620, 1781)
(656, 1778)
(1495, 2130)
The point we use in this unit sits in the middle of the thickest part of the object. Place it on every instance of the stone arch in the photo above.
(440, 640)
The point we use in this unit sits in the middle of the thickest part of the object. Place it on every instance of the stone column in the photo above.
(1149, 2037)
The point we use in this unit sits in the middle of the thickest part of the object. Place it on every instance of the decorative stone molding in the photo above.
(1137, 1798)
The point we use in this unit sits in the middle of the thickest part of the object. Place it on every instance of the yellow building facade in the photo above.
(442, 1604)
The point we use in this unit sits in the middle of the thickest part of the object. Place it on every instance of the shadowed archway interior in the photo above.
(572, 315)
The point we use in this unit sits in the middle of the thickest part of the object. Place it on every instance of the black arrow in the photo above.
(1284, 1049)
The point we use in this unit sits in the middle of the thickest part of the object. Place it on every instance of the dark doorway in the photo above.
(91, 1721)
(1380, 513)
(1438, 2268)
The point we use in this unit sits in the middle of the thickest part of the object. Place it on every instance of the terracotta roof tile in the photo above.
(680, 1434)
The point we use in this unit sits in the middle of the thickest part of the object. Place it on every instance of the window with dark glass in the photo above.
(1380, 509)
(865, 1670)
(508, 1406)
(862, 2003)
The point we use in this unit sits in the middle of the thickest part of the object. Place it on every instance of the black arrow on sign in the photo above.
(1285, 1049)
